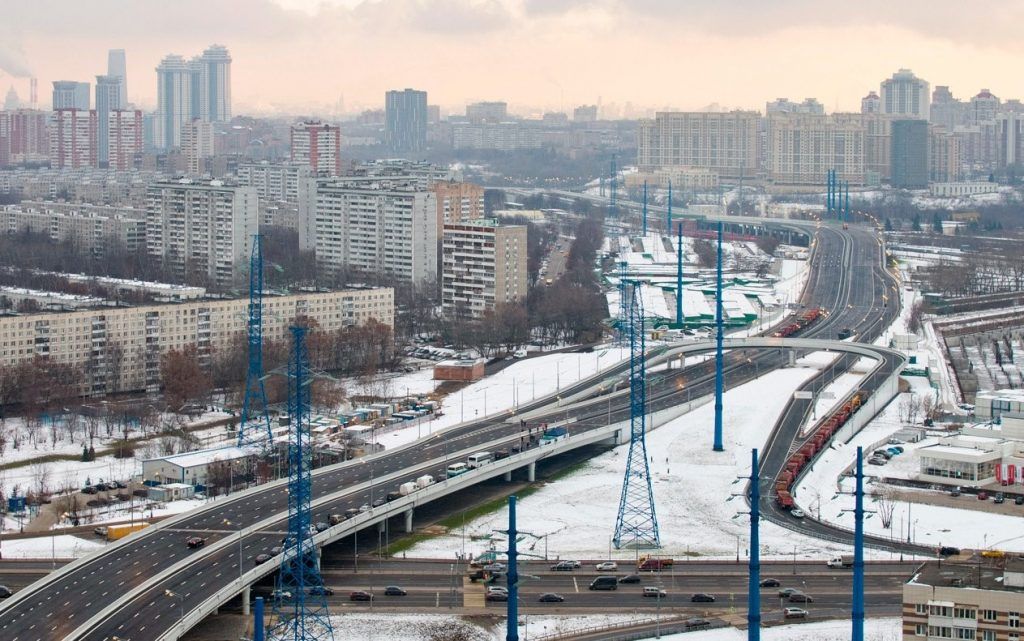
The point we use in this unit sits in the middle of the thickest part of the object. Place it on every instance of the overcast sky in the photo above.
(299, 55)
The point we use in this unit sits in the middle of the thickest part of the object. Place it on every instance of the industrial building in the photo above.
(980, 599)
(483, 265)
(119, 348)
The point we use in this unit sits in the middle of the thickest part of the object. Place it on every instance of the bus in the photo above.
(479, 459)
(456, 469)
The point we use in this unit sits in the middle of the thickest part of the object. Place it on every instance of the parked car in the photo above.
(100, 531)
(983, 496)
(121, 485)
(794, 613)
(262, 558)
(800, 597)
(702, 597)
(955, 491)
(1018, 500)
(877, 460)
(770, 583)
(195, 541)
(563, 566)
(320, 590)
(394, 590)
(551, 597)
(630, 578)
(883, 453)
(607, 566)
(88, 489)
(360, 595)
(999, 498)
(655, 592)
(797, 513)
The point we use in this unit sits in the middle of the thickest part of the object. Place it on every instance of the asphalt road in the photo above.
(85, 592)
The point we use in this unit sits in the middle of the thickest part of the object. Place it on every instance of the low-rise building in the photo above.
(197, 468)
(955, 189)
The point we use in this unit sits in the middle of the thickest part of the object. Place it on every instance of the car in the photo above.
(379, 502)
(88, 489)
(121, 485)
(800, 597)
(895, 441)
(575, 564)
(947, 550)
(497, 588)
(794, 613)
(785, 592)
(496, 596)
(365, 507)
(883, 453)
(896, 448)
(877, 460)
(630, 578)
(955, 491)
(770, 583)
(563, 566)
(100, 531)
(797, 513)
(277, 549)
(319, 590)
(1018, 500)
(5, 592)
(607, 566)
(321, 526)
(394, 590)
(999, 498)
(351, 512)
(655, 592)
(551, 597)
(495, 567)
(982, 496)
(262, 558)
(360, 595)
(195, 541)
(702, 597)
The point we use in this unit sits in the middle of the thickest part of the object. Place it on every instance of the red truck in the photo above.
(653, 564)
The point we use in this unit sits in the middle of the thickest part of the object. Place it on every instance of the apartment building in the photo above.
(72, 138)
(202, 229)
(119, 348)
(96, 229)
(280, 182)
(724, 142)
(375, 226)
(803, 147)
(483, 265)
(458, 202)
(318, 146)
(979, 600)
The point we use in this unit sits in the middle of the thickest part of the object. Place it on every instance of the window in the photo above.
(988, 615)
(920, 629)
(988, 635)
(1013, 619)
(1013, 637)
(940, 632)
(920, 608)
(965, 613)
(964, 633)
(940, 611)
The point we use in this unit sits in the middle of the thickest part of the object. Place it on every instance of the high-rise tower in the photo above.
(173, 101)
(118, 68)
(108, 98)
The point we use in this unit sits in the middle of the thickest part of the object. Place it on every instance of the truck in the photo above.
(844, 561)
(405, 489)
(115, 532)
(653, 564)
(554, 434)
(424, 481)
(784, 499)
(335, 519)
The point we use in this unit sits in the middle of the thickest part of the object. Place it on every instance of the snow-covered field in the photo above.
(61, 546)
(693, 490)
(887, 629)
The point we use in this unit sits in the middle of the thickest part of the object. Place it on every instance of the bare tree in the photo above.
(885, 503)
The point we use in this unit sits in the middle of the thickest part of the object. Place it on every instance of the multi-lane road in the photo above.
(153, 579)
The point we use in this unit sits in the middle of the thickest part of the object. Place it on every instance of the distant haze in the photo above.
(304, 55)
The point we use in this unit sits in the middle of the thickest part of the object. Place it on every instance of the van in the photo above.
(605, 583)
(456, 469)
(654, 591)
(479, 459)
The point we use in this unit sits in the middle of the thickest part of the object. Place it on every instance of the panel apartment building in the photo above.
(376, 226)
(724, 142)
(803, 147)
(483, 265)
(202, 229)
(119, 349)
(95, 228)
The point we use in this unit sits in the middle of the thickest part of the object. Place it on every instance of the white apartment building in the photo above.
(280, 182)
(318, 146)
(197, 145)
(119, 349)
(803, 147)
(906, 95)
(375, 226)
(483, 265)
(725, 143)
(95, 232)
(202, 228)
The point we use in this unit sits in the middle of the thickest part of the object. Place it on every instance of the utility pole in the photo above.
(719, 359)
(644, 224)
(858, 551)
(512, 624)
(679, 276)
(754, 581)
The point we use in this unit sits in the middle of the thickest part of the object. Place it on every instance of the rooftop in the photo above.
(973, 572)
(205, 457)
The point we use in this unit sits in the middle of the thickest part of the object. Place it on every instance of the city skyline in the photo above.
(537, 56)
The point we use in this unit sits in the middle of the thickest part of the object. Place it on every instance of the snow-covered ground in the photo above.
(887, 629)
(416, 627)
(693, 490)
(62, 475)
(61, 546)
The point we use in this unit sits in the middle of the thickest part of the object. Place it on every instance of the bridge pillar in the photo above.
(508, 476)
(245, 599)
(382, 526)
(408, 520)
(531, 472)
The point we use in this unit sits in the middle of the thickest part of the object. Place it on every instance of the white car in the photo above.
(607, 566)
(797, 513)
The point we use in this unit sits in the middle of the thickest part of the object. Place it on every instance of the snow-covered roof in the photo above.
(205, 457)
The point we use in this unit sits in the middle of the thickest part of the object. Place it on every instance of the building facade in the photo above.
(72, 139)
(202, 230)
(108, 98)
(211, 76)
(70, 94)
(725, 143)
(376, 226)
(318, 146)
(910, 154)
(905, 95)
(119, 348)
(118, 68)
(487, 112)
(483, 265)
(458, 202)
(944, 160)
(405, 120)
(871, 103)
(173, 101)
(280, 182)
(124, 139)
(803, 147)
(24, 137)
(95, 229)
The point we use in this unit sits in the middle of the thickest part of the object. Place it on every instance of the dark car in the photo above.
(351, 512)
(393, 496)
(496, 596)
(947, 550)
(999, 498)
(195, 541)
(800, 597)
(88, 489)
(262, 558)
(785, 592)
(551, 597)
(1018, 500)
(770, 583)
(379, 502)
(701, 597)
(360, 595)
(630, 578)
(5, 592)
(121, 485)
(394, 590)
(982, 496)
(319, 590)
(500, 454)
(563, 566)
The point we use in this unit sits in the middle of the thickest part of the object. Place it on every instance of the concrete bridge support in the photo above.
(246, 593)
(408, 520)
(531, 472)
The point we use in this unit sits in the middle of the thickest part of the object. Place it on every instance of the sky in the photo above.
(308, 56)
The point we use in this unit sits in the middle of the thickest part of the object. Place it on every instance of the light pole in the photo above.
(181, 604)
(229, 524)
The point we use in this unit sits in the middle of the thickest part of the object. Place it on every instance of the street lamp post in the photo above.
(181, 604)
(229, 523)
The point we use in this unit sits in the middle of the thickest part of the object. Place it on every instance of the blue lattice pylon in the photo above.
(637, 523)
(300, 604)
(254, 425)
(623, 325)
